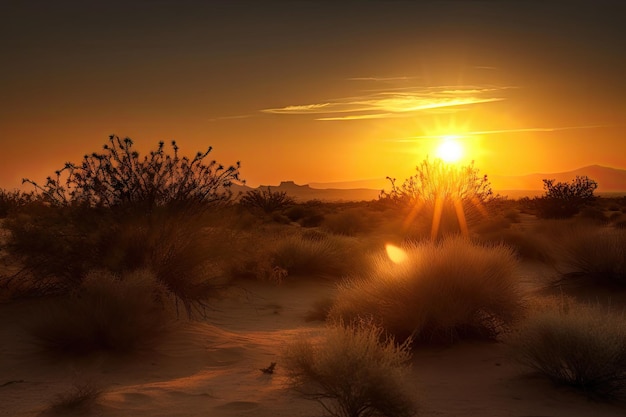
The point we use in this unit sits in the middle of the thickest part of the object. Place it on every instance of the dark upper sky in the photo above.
(315, 90)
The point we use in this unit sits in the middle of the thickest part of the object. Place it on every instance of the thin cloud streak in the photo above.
(495, 132)
(394, 103)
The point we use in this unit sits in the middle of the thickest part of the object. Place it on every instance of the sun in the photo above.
(450, 149)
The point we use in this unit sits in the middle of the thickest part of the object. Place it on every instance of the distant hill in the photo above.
(306, 192)
(610, 180)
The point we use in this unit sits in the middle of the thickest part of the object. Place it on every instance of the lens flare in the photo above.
(396, 254)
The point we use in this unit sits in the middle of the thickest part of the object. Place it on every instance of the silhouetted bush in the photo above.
(355, 371)
(118, 177)
(440, 293)
(563, 200)
(266, 200)
(576, 345)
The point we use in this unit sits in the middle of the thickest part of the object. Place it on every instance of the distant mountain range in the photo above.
(610, 180)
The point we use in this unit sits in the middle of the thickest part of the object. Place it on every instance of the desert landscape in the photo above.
(356, 208)
(149, 299)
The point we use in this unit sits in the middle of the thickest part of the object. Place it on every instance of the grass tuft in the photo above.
(355, 371)
(439, 294)
(576, 345)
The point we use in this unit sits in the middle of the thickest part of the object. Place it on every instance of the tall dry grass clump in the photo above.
(439, 293)
(355, 371)
(107, 312)
(594, 255)
(577, 345)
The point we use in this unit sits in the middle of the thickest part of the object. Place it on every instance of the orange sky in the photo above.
(315, 91)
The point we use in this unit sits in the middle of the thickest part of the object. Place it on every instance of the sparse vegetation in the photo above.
(577, 345)
(355, 371)
(440, 293)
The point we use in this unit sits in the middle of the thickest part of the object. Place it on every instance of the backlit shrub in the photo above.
(440, 293)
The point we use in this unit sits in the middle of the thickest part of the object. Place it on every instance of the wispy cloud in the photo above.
(495, 132)
(381, 78)
(240, 116)
(395, 103)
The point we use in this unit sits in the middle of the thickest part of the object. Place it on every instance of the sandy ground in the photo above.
(212, 368)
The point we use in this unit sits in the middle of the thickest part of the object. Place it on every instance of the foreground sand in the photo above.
(212, 368)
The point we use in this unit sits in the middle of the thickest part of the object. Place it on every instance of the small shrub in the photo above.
(266, 200)
(594, 255)
(576, 345)
(440, 293)
(354, 372)
(107, 312)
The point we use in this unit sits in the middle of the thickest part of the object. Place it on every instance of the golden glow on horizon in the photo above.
(450, 150)
(396, 254)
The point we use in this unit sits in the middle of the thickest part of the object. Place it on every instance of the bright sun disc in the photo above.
(450, 150)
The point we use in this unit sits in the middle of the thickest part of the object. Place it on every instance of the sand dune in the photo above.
(212, 368)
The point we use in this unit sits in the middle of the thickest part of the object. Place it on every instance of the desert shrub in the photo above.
(440, 293)
(577, 345)
(107, 312)
(80, 399)
(11, 201)
(355, 371)
(438, 188)
(266, 200)
(594, 255)
(563, 200)
(118, 176)
(330, 257)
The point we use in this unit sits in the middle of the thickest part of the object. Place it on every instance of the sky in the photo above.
(315, 91)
